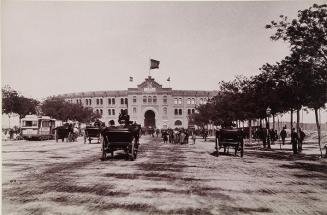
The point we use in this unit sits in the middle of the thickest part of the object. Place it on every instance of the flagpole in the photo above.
(149, 66)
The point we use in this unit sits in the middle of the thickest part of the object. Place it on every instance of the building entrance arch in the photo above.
(149, 119)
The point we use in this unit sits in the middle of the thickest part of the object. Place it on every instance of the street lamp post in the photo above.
(268, 111)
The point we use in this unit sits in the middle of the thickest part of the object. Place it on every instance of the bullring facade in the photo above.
(149, 104)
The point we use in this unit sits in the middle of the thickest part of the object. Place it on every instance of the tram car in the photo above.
(37, 127)
(226, 138)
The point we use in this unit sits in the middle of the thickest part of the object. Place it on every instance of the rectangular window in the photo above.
(165, 99)
(109, 101)
(134, 99)
(113, 111)
(109, 112)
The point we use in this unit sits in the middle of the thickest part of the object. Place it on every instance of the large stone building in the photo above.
(149, 104)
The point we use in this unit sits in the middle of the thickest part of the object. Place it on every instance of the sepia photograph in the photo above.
(163, 107)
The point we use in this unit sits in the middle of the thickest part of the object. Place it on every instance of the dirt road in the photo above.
(69, 178)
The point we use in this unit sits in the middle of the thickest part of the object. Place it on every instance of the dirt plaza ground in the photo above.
(45, 177)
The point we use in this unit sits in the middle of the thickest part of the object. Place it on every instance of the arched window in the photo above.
(113, 111)
(113, 101)
(165, 99)
(97, 111)
(154, 99)
(165, 111)
(180, 101)
(144, 99)
(188, 101)
(101, 101)
(101, 112)
(87, 101)
(90, 101)
(149, 99)
(180, 112)
(193, 101)
(126, 101)
(176, 111)
(178, 123)
(109, 111)
(121, 101)
(97, 101)
(109, 101)
(175, 101)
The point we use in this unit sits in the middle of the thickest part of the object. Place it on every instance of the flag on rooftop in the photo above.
(168, 79)
(154, 64)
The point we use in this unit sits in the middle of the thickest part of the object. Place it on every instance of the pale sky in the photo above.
(49, 48)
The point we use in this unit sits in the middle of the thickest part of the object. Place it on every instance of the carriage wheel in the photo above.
(99, 139)
(56, 136)
(103, 154)
(242, 149)
(136, 149)
(132, 152)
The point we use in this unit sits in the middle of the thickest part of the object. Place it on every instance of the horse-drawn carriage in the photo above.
(66, 131)
(62, 132)
(92, 133)
(124, 137)
(226, 138)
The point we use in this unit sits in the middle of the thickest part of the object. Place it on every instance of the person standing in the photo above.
(301, 138)
(165, 136)
(193, 137)
(294, 141)
(283, 135)
(182, 137)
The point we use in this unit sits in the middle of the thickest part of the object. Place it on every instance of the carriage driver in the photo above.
(112, 124)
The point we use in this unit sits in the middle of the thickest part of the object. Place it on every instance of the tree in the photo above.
(13, 102)
(307, 36)
(60, 109)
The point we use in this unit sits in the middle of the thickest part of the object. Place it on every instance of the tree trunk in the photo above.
(273, 116)
(9, 120)
(291, 119)
(318, 129)
(250, 131)
(298, 121)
